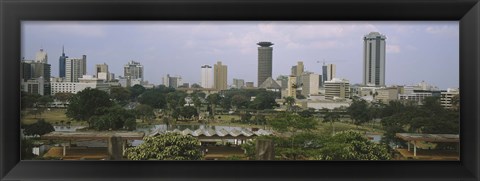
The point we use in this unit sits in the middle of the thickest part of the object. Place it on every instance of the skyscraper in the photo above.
(133, 70)
(61, 63)
(220, 76)
(41, 56)
(331, 71)
(207, 76)
(297, 71)
(374, 59)
(264, 61)
(75, 68)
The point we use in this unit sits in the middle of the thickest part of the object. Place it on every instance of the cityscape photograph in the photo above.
(240, 90)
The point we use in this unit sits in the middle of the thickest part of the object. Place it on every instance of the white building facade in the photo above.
(86, 81)
(207, 76)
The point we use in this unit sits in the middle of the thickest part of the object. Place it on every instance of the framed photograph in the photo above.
(239, 90)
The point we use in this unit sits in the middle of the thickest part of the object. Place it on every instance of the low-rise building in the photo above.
(337, 88)
(447, 98)
(73, 87)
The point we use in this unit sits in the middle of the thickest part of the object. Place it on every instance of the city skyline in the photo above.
(411, 48)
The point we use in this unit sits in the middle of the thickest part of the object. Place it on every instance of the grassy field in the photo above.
(54, 116)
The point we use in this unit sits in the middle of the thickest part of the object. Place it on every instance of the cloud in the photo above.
(442, 30)
(393, 48)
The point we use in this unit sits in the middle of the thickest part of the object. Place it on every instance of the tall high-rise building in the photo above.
(41, 56)
(310, 84)
(75, 68)
(207, 76)
(324, 73)
(102, 72)
(220, 76)
(297, 71)
(61, 64)
(374, 59)
(133, 70)
(38, 73)
(331, 71)
(264, 61)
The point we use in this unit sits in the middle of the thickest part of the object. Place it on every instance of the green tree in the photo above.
(153, 98)
(26, 152)
(39, 128)
(136, 91)
(359, 112)
(63, 96)
(45, 101)
(350, 145)
(28, 100)
(188, 112)
(240, 101)
(331, 116)
(196, 86)
(307, 113)
(120, 95)
(264, 100)
(213, 101)
(291, 123)
(86, 104)
(113, 118)
(145, 113)
(168, 146)
(290, 102)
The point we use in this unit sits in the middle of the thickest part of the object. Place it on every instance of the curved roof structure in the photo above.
(202, 132)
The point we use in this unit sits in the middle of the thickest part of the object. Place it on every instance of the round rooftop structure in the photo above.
(265, 44)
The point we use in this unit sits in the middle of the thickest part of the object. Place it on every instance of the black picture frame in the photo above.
(12, 12)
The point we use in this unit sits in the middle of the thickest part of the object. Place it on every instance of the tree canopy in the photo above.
(168, 146)
(86, 104)
(350, 145)
(39, 128)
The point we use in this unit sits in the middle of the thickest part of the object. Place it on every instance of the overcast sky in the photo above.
(416, 51)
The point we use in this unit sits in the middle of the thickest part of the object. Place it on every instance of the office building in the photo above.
(75, 68)
(374, 59)
(249, 84)
(331, 71)
(310, 84)
(447, 99)
(207, 76)
(238, 83)
(61, 64)
(41, 56)
(292, 87)
(264, 61)
(220, 76)
(337, 89)
(173, 82)
(133, 70)
(297, 71)
(86, 81)
(385, 95)
(101, 71)
(38, 73)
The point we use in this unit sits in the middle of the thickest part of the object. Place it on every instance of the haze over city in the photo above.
(415, 51)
